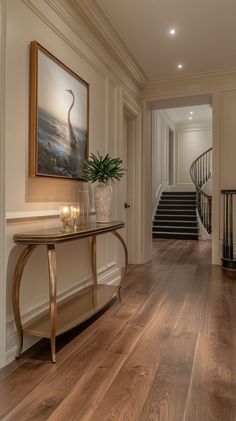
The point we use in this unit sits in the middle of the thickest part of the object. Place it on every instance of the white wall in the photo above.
(191, 141)
(27, 197)
(160, 155)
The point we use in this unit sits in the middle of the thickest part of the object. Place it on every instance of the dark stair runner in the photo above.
(176, 216)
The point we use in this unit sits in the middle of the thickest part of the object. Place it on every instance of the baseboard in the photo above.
(109, 274)
(203, 234)
(159, 191)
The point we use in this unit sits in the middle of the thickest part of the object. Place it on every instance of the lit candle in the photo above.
(65, 215)
(75, 212)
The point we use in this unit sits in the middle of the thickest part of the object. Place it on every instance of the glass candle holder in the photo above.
(65, 216)
(75, 214)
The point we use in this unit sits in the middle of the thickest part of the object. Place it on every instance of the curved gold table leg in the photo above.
(24, 257)
(117, 235)
(52, 268)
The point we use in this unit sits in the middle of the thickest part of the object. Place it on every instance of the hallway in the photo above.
(167, 352)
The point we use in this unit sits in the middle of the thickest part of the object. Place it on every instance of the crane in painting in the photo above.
(73, 141)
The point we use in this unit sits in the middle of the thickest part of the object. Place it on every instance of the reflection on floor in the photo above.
(167, 352)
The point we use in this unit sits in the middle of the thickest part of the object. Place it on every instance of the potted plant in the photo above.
(103, 170)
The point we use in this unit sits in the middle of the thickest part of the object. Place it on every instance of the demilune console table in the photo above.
(82, 305)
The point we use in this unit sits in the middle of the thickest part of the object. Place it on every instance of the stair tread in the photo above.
(175, 216)
(173, 226)
(175, 220)
(176, 232)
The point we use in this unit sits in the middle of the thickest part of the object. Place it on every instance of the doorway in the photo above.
(129, 148)
(183, 138)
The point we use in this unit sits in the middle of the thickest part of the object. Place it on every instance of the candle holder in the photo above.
(75, 214)
(65, 216)
(83, 204)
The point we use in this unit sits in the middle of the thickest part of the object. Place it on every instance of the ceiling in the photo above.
(204, 41)
(200, 114)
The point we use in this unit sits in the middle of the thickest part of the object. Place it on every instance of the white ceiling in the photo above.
(204, 41)
(180, 116)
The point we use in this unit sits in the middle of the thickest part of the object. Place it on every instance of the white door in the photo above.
(127, 182)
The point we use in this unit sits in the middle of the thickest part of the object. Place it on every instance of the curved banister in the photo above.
(200, 173)
(192, 173)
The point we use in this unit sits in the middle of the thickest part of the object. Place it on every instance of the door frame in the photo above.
(214, 101)
(2, 184)
(129, 106)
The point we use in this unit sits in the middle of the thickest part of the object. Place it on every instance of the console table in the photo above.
(82, 305)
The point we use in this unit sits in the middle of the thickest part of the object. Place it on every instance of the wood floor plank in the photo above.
(213, 387)
(133, 381)
(167, 397)
(165, 352)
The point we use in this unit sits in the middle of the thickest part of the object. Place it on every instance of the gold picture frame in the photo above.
(59, 118)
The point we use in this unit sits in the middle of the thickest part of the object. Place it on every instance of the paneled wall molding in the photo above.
(2, 182)
(109, 274)
(84, 46)
(181, 133)
(167, 120)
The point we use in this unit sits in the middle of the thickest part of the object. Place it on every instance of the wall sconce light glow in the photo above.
(180, 66)
(172, 31)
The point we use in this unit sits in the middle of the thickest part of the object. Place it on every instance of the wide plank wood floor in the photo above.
(167, 352)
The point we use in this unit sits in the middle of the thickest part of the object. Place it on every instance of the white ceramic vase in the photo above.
(103, 202)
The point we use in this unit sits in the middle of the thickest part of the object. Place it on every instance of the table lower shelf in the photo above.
(73, 311)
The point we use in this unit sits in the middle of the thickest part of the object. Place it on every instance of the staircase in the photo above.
(176, 216)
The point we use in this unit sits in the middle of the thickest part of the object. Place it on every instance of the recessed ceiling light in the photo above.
(190, 118)
(172, 31)
(191, 112)
(180, 66)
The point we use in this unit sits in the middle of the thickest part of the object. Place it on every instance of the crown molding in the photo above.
(219, 74)
(99, 25)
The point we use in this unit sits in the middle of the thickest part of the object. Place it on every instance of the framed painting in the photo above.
(59, 115)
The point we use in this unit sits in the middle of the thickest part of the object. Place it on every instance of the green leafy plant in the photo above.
(103, 169)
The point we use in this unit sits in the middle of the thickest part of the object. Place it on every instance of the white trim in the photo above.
(203, 234)
(194, 127)
(38, 215)
(2, 183)
(224, 75)
(31, 214)
(110, 39)
(167, 120)
(109, 274)
(98, 58)
(158, 196)
(129, 105)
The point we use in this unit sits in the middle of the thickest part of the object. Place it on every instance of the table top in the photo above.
(57, 235)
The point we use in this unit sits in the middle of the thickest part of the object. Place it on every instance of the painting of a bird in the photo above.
(61, 141)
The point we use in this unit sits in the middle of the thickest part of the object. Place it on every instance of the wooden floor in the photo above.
(167, 352)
